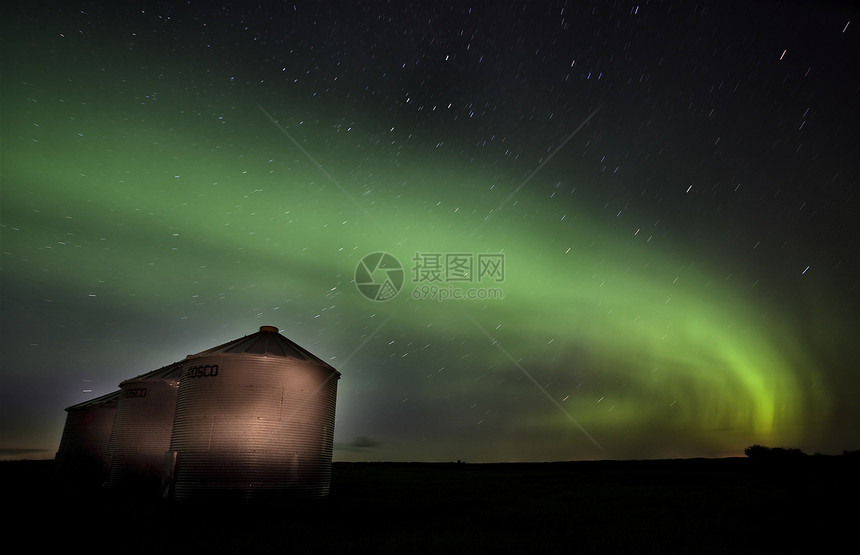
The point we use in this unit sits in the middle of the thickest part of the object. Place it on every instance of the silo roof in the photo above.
(266, 342)
(171, 371)
(109, 400)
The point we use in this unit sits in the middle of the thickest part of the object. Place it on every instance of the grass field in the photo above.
(670, 506)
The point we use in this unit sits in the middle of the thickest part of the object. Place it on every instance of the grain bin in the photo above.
(141, 430)
(83, 447)
(254, 419)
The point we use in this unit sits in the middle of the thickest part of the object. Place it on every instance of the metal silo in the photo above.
(254, 419)
(141, 431)
(84, 444)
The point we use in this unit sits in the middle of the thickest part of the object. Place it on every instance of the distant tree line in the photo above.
(781, 453)
(762, 452)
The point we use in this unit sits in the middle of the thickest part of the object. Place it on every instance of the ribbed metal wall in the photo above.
(141, 433)
(253, 426)
(86, 436)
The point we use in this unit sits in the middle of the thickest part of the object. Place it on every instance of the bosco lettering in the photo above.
(207, 371)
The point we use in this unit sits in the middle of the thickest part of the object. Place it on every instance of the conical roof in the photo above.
(108, 400)
(169, 372)
(266, 342)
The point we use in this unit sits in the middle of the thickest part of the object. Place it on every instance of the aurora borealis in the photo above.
(672, 188)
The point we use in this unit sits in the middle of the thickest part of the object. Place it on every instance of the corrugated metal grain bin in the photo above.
(254, 419)
(141, 431)
(84, 444)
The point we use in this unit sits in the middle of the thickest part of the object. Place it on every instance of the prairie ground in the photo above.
(665, 506)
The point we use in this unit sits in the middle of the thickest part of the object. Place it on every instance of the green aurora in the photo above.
(148, 216)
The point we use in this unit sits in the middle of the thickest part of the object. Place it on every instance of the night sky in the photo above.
(615, 230)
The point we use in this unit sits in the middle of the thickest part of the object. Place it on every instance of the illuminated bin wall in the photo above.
(86, 435)
(254, 419)
(142, 428)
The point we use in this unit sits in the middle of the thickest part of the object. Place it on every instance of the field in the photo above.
(670, 506)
